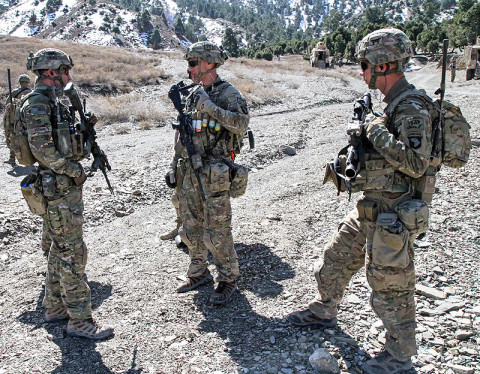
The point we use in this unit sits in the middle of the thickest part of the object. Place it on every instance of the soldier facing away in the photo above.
(67, 295)
(397, 151)
(9, 116)
(207, 219)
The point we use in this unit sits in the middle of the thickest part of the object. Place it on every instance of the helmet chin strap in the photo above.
(57, 77)
(375, 74)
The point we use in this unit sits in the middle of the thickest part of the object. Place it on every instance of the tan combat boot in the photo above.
(88, 328)
(56, 314)
(193, 282)
(223, 293)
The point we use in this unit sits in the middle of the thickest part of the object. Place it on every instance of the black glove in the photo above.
(170, 179)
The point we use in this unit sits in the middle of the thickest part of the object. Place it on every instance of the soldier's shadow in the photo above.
(78, 355)
(20, 171)
(247, 333)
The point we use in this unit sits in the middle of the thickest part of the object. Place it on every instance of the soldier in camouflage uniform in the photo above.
(18, 93)
(67, 295)
(375, 234)
(207, 221)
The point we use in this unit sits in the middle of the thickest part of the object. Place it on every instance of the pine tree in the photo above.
(155, 39)
(230, 42)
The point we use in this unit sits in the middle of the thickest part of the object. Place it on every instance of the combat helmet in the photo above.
(48, 58)
(23, 78)
(208, 52)
(384, 46)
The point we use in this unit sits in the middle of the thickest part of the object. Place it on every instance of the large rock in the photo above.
(323, 362)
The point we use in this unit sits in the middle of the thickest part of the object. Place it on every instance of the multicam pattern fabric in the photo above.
(385, 45)
(9, 115)
(64, 218)
(206, 51)
(382, 243)
(48, 58)
(207, 224)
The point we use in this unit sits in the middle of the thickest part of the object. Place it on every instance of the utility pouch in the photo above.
(33, 196)
(379, 175)
(367, 210)
(49, 187)
(390, 242)
(239, 178)
(63, 139)
(198, 144)
(425, 187)
(219, 178)
(77, 140)
(197, 161)
(414, 215)
(63, 182)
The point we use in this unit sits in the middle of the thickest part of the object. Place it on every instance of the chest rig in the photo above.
(210, 139)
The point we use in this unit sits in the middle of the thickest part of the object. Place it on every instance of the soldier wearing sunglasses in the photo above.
(397, 153)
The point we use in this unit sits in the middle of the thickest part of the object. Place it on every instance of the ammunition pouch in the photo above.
(414, 215)
(218, 177)
(367, 210)
(31, 191)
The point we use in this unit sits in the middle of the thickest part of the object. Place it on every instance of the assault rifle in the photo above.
(100, 160)
(185, 129)
(355, 152)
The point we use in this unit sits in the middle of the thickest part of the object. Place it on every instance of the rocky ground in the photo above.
(280, 226)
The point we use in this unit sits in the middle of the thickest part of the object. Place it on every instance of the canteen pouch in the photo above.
(33, 196)
(218, 177)
(414, 215)
(239, 181)
(390, 242)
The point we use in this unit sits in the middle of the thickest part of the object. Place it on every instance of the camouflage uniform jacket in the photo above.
(231, 112)
(38, 114)
(399, 149)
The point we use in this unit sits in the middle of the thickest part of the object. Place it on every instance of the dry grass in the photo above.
(131, 108)
(122, 68)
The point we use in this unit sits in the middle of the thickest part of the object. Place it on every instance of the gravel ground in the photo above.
(280, 226)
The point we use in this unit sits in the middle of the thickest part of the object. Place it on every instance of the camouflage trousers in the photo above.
(207, 224)
(64, 284)
(390, 274)
(46, 241)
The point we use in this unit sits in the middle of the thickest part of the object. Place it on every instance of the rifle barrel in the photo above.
(9, 86)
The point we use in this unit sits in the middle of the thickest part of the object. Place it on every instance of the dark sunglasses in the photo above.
(65, 70)
(192, 63)
(364, 65)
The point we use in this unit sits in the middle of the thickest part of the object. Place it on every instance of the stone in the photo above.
(288, 150)
(430, 292)
(460, 369)
(463, 334)
(448, 307)
(323, 362)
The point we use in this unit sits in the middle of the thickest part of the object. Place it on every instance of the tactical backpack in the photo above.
(19, 138)
(450, 130)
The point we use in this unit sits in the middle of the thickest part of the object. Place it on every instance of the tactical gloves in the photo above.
(91, 118)
(203, 103)
(170, 179)
(78, 181)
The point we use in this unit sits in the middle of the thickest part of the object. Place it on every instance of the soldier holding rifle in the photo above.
(397, 149)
